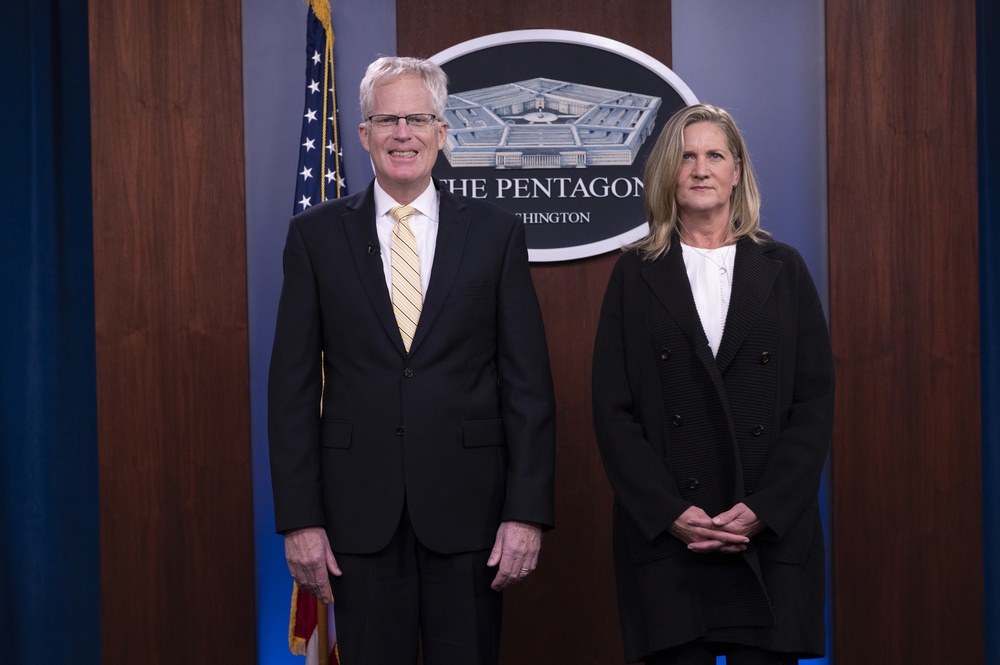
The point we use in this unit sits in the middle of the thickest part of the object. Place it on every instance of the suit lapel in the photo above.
(669, 281)
(453, 229)
(359, 224)
(753, 280)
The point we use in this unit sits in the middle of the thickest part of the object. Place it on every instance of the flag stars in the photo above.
(322, 169)
(332, 176)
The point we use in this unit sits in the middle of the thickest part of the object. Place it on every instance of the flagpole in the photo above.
(323, 631)
(322, 10)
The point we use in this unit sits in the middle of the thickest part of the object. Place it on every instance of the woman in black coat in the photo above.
(713, 409)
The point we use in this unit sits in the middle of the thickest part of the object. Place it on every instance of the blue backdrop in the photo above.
(782, 67)
(274, 64)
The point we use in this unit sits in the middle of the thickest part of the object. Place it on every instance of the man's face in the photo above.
(403, 157)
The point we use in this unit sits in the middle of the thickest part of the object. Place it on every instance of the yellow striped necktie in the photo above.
(405, 262)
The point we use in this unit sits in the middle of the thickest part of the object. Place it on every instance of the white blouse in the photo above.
(710, 272)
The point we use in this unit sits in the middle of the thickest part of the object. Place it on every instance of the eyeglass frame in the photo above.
(432, 118)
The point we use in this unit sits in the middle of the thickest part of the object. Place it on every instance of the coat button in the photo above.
(757, 430)
(692, 483)
(407, 372)
(677, 421)
(399, 431)
(765, 358)
(664, 354)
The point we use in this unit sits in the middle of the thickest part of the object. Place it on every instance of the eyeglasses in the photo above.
(413, 121)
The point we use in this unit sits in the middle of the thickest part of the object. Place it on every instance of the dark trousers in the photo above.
(705, 654)
(389, 604)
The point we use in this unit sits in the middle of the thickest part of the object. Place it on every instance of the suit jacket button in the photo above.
(765, 358)
(677, 421)
(692, 483)
(665, 354)
(757, 430)
(407, 372)
(399, 431)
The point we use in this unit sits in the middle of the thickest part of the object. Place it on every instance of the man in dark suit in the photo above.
(422, 485)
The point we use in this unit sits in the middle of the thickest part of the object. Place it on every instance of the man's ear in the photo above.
(363, 135)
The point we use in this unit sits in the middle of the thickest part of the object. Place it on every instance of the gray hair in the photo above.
(388, 69)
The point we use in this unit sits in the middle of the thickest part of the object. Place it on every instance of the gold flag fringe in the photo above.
(296, 644)
(321, 8)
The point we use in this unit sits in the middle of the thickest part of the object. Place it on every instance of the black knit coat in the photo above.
(678, 427)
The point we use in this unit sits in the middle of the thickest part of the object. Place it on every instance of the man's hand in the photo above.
(311, 561)
(704, 534)
(516, 551)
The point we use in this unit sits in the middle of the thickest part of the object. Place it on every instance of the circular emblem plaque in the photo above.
(555, 126)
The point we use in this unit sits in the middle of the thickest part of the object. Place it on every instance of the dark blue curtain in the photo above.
(988, 89)
(49, 552)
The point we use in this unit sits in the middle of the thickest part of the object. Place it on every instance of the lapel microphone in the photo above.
(372, 249)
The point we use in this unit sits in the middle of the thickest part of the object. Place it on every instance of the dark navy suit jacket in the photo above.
(461, 427)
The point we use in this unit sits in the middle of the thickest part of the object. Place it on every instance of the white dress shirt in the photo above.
(424, 224)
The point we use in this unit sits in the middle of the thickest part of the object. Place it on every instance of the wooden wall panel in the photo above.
(907, 500)
(177, 576)
(566, 613)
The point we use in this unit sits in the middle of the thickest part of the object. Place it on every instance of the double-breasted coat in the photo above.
(677, 427)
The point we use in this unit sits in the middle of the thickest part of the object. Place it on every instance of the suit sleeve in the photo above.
(635, 467)
(294, 390)
(528, 402)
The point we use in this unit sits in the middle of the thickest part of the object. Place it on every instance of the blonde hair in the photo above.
(660, 180)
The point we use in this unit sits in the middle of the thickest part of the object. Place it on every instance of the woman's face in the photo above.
(708, 172)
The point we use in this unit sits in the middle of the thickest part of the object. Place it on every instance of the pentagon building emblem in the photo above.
(546, 124)
(556, 126)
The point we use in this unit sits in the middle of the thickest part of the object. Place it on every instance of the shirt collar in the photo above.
(426, 204)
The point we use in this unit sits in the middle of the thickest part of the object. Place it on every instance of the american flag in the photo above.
(306, 634)
(320, 171)
(320, 177)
